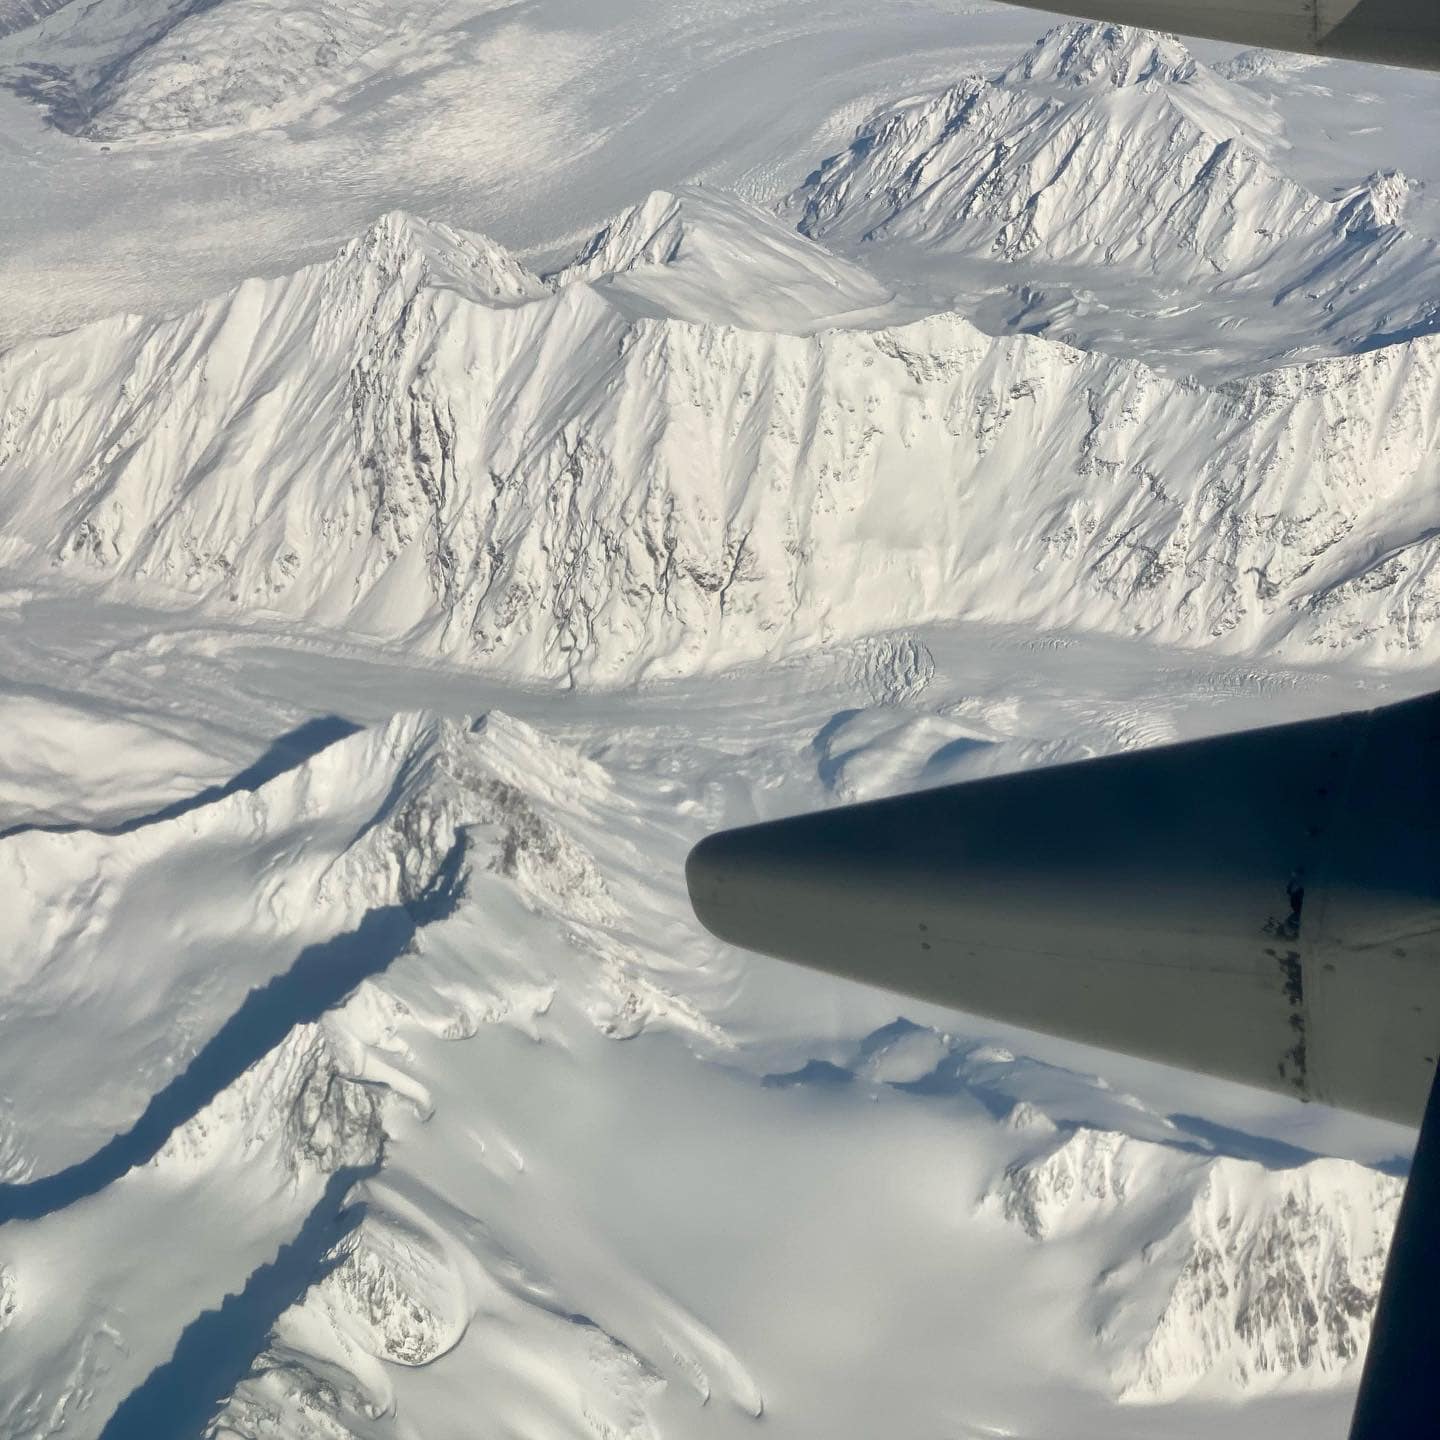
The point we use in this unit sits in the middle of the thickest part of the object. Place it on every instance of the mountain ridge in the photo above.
(551, 482)
(1104, 157)
(1234, 1274)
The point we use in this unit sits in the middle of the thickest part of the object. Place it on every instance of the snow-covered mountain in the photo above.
(324, 871)
(1101, 144)
(1210, 1276)
(1112, 152)
(363, 1072)
(419, 439)
(176, 1017)
(1227, 1274)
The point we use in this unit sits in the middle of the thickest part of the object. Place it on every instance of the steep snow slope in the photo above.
(64, 765)
(1104, 153)
(419, 440)
(97, 1292)
(707, 259)
(277, 886)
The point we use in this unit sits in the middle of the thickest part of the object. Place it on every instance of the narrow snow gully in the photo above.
(317, 982)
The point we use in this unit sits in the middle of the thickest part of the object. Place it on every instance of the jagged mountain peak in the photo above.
(1087, 1172)
(1112, 149)
(401, 245)
(1099, 145)
(648, 233)
(1376, 204)
(1117, 75)
(1087, 53)
(1229, 1273)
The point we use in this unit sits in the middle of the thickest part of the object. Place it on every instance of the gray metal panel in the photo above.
(1261, 906)
(1391, 32)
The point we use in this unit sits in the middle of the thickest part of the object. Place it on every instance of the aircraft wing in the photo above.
(1262, 906)
(1391, 32)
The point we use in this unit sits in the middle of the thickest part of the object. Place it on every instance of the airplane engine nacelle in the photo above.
(1262, 906)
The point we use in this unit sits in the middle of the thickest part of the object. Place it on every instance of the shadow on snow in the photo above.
(322, 975)
(216, 1350)
(287, 753)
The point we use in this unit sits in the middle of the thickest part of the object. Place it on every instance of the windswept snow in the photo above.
(706, 258)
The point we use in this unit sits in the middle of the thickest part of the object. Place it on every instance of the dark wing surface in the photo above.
(1262, 906)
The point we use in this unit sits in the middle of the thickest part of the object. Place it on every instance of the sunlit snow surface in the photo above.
(377, 636)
